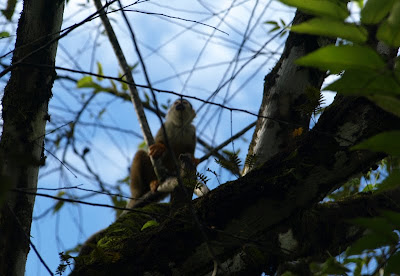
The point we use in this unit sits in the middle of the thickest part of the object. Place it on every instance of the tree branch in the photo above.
(258, 207)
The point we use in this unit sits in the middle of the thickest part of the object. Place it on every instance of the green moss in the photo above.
(107, 246)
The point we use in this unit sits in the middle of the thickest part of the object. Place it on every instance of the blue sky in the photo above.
(179, 50)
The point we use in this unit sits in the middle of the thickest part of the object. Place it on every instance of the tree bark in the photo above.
(25, 105)
(285, 91)
(248, 220)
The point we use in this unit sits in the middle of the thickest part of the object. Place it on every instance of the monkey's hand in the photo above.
(157, 149)
(154, 185)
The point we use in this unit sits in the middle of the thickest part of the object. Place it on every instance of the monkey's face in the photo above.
(181, 112)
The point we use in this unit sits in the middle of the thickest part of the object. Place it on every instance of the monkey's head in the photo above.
(181, 113)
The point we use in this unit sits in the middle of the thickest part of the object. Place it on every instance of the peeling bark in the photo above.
(25, 105)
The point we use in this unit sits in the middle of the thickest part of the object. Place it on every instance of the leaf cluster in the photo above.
(363, 71)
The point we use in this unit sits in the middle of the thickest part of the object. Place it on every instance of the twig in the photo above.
(234, 137)
(131, 85)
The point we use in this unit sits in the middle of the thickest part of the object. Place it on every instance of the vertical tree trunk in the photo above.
(25, 105)
(285, 91)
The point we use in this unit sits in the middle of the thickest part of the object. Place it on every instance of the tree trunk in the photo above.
(288, 98)
(25, 106)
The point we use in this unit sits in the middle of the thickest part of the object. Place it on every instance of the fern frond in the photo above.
(232, 164)
(203, 178)
(313, 103)
(250, 160)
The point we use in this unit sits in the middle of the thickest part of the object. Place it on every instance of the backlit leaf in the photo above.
(388, 103)
(150, 223)
(375, 10)
(369, 241)
(389, 30)
(333, 28)
(356, 82)
(338, 58)
(328, 8)
(383, 142)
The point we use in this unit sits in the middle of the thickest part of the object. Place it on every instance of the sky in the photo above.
(180, 55)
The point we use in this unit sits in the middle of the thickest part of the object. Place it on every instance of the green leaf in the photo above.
(99, 71)
(375, 10)
(393, 217)
(124, 84)
(58, 206)
(333, 267)
(338, 58)
(390, 182)
(328, 8)
(9, 10)
(143, 145)
(393, 264)
(389, 30)
(87, 82)
(333, 28)
(271, 22)
(388, 103)
(4, 34)
(60, 203)
(378, 225)
(360, 3)
(383, 142)
(150, 223)
(369, 241)
(355, 82)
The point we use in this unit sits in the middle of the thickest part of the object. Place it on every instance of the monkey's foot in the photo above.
(157, 149)
(154, 185)
(196, 161)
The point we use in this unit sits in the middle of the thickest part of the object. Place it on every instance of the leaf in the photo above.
(338, 58)
(360, 3)
(375, 10)
(389, 34)
(388, 103)
(124, 84)
(150, 223)
(389, 30)
(87, 82)
(393, 264)
(378, 225)
(390, 182)
(369, 241)
(333, 267)
(393, 217)
(4, 34)
(383, 142)
(328, 8)
(271, 22)
(99, 71)
(9, 10)
(333, 28)
(101, 112)
(60, 203)
(355, 82)
(297, 132)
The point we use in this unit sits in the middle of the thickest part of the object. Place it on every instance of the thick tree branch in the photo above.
(242, 214)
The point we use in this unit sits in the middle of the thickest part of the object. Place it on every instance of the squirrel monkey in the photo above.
(181, 138)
